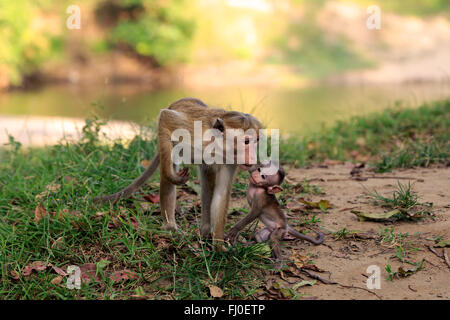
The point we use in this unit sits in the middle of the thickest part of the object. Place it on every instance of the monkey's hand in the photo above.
(181, 177)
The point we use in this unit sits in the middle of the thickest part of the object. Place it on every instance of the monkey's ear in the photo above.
(274, 189)
(218, 124)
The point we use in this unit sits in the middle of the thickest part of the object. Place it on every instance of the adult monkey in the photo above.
(216, 179)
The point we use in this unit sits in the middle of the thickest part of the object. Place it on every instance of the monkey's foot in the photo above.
(170, 227)
(220, 246)
(278, 264)
(205, 231)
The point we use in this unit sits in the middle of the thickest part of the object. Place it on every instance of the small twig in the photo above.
(317, 277)
(321, 279)
(359, 178)
(328, 246)
(353, 287)
(393, 177)
(333, 179)
(381, 252)
(428, 261)
(435, 252)
(446, 257)
(346, 209)
(410, 288)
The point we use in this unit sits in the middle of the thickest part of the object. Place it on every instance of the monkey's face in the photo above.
(271, 182)
(239, 144)
(250, 149)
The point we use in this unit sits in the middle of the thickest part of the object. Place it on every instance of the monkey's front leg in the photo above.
(208, 182)
(220, 201)
(255, 212)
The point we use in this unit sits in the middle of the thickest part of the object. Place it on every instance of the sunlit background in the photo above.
(295, 64)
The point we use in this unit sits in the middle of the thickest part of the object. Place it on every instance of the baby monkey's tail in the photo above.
(302, 236)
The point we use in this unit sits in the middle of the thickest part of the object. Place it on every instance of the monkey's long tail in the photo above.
(299, 235)
(135, 185)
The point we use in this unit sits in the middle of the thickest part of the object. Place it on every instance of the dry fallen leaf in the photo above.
(312, 267)
(41, 266)
(304, 283)
(39, 213)
(162, 243)
(115, 223)
(89, 272)
(153, 198)
(299, 260)
(54, 187)
(145, 163)
(215, 291)
(125, 216)
(362, 216)
(322, 204)
(14, 275)
(58, 270)
(69, 179)
(146, 206)
(56, 280)
(123, 275)
(36, 265)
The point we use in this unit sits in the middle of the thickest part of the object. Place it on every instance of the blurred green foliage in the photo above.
(317, 56)
(22, 46)
(29, 36)
(33, 32)
(410, 7)
(161, 30)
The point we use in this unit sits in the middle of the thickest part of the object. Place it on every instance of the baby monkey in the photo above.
(265, 182)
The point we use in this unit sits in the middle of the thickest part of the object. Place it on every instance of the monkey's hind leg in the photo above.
(165, 148)
(275, 238)
(263, 235)
(167, 193)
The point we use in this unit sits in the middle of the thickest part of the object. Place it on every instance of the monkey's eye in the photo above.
(263, 176)
(259, 169)
(247, 141)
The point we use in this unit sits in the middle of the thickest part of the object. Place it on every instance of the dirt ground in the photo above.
(345, 260)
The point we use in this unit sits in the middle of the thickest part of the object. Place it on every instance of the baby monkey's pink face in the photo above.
(271, 182)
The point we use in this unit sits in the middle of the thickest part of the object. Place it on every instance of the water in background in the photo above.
(295, 111)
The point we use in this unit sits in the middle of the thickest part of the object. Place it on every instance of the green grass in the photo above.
(404, 247)
(178, 266)
(394, 138)
(403, 197)
(405, 200)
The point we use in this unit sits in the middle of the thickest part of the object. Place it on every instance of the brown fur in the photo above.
(216, 179)
(264, 205)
